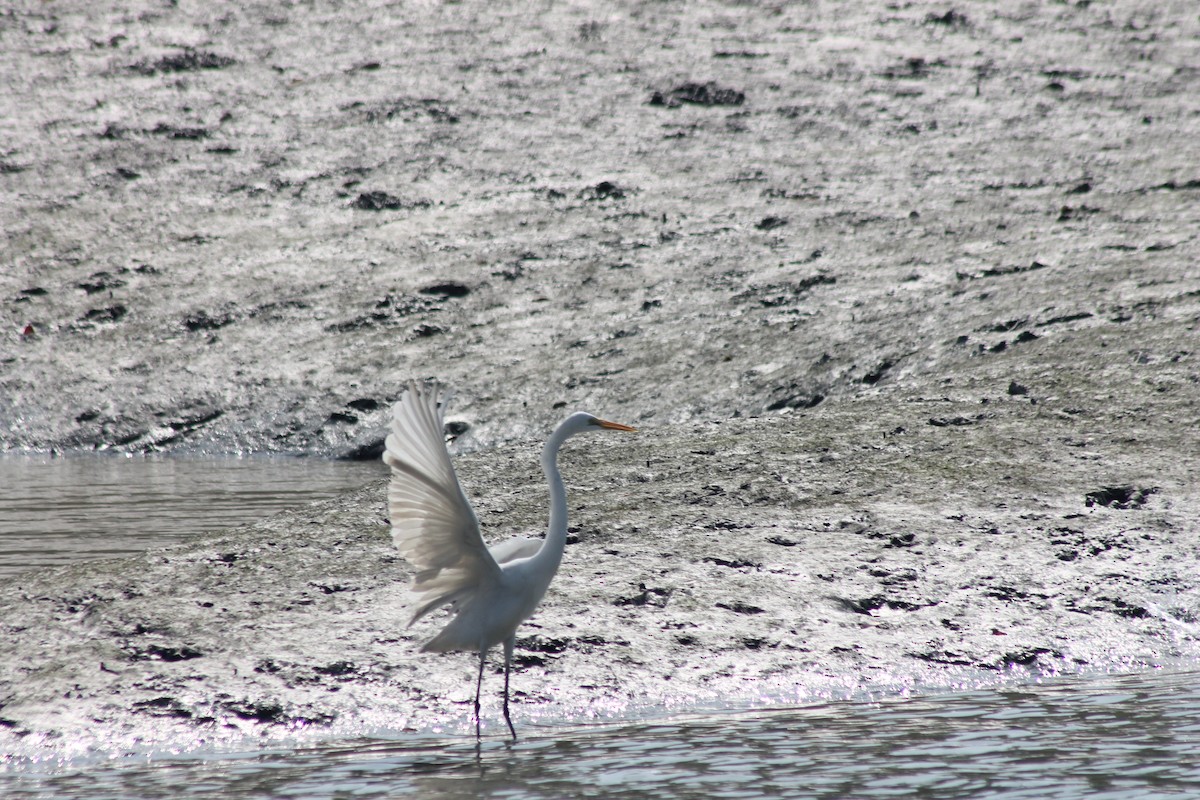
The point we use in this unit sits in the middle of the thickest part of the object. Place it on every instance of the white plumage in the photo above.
(491, 590)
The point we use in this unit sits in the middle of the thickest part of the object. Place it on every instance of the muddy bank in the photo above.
(870, 547)
(243, 228)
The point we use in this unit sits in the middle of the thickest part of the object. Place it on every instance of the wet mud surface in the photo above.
(904, 300)
(846, 551)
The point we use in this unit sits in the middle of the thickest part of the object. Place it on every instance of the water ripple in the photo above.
(1125, 736)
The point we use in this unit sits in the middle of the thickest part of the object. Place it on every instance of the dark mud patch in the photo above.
(184, 61)
(1120, 497)
(699, 94)
(383, 201)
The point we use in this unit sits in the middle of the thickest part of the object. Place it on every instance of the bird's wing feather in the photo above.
(433, 525)
(513, 549)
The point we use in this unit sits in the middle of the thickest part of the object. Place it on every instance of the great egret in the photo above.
(491, 590)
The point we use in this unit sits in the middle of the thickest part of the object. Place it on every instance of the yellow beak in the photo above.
(614, 426)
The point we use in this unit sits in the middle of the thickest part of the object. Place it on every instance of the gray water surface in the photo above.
(1123, 736)
(58, 510)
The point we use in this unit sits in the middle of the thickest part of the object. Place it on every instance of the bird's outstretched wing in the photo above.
(433, 525)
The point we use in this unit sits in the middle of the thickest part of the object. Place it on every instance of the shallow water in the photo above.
(57, 510)
(1124, 736)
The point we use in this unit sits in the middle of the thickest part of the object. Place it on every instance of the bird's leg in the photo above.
(508, 651)
(479, 686)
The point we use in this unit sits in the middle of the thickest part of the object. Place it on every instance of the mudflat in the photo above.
(904, 301)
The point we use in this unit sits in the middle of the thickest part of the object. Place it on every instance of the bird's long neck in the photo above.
(550, 553)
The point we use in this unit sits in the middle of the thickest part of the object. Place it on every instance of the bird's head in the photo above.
(582, 422)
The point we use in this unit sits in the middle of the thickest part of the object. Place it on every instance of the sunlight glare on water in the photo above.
(1123, 736)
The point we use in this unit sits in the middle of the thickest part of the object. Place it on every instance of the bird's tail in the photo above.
(452, 597)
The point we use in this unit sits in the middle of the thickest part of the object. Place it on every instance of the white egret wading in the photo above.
(491, 590)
